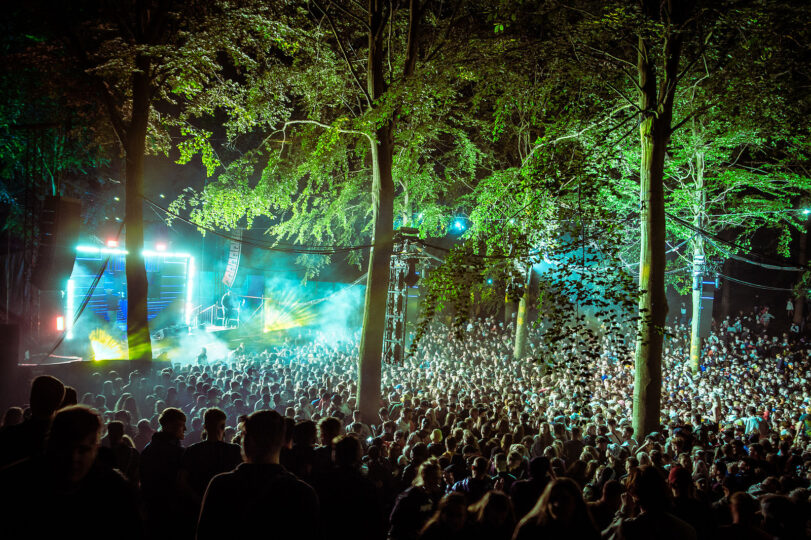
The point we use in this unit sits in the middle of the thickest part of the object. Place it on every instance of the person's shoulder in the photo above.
(15, 472)
(109, 478)
(294, 486)
(231, 447)
(196, 448)
(227, 479)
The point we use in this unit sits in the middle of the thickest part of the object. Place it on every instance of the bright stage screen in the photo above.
(100, 329)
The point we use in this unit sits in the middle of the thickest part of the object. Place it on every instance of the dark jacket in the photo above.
(344, 492)
(23, 440)
(169, 512)
(261, 499)
(204, 460)
(473, 488)
(525, 493)
(34, 503)
(411, 511)
(650, 525)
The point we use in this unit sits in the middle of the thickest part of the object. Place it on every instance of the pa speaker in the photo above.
(9, 360)
(58, 234)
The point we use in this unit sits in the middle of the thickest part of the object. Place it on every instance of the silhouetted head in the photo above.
(115, 432)
(263, 436)
(214, 424)
(173, 422)
(73, 441)
(348, 452)
(648, 487)
(450, 513)
(328, 429)
(47, 394)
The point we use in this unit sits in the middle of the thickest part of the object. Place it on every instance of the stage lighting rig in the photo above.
(402, 275)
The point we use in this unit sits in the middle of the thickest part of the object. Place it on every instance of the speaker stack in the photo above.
(59, 232)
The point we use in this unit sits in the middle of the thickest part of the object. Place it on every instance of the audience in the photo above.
(468, 443)
(259, 496)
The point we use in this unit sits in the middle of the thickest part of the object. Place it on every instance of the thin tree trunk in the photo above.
(138, 338)
(509, 309)
(802, 259)
(523, 318)
(698, 264)
(726, 289)
(654, 131)
(695, 324)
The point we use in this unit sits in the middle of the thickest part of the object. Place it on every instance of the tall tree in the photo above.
(374, 126)
(136, 55)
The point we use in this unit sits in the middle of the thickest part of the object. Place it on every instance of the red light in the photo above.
(112, 243)
(60, 324)
(160, 246)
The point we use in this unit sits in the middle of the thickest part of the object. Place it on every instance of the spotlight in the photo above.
(459, 225)
(806, 211)
(162, 196)
(60, 324)
(112, 243)
(116, 199)
(489, 281)
(160, 246)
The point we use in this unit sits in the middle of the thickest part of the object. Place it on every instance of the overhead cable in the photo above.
(755, 263)
(755, 285)
(779, 265)
(303, 250)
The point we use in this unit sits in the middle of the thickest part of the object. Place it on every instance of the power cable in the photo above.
(303, 250)
(710, 236)
(762, 265)
(755, 285)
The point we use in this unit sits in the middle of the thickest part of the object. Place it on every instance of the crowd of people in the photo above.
(467, 443)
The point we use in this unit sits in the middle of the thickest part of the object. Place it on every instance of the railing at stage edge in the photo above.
(206, 317)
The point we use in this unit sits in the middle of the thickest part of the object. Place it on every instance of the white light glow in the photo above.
(93, 250)
(70, 308)
(189, 289)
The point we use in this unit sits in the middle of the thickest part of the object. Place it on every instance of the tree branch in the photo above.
(348, 13)
(344, 54)
(118, 122)
(319, 124)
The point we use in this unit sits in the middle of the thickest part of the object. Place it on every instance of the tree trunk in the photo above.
(138, 338)
(698, 264)
(802, 259)
(695, 324)
(654, 131)
(509, 309)
(523, 318)
(377, 282)
(520, 345)
(726, 289)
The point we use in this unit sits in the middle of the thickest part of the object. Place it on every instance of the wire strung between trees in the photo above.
(779, 265)
(762, 265)
(334, 250)
(756, 285)
(302, 250)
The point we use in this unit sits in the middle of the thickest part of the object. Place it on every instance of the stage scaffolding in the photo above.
(402, 275)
